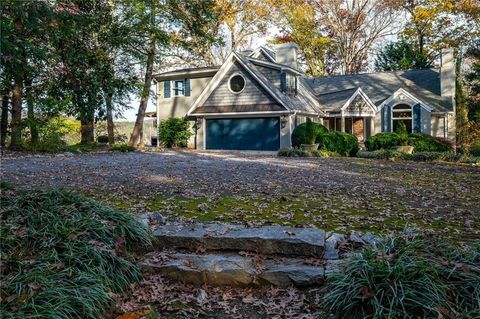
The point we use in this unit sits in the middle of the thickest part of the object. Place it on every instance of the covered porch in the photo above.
(355, 116)
(361, 127)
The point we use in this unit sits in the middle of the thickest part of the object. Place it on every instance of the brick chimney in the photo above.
(287, 53)
(447, 74)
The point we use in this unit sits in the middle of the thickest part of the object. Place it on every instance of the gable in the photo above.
(252, 94)
(358, 106)
(401, 96)
(261, 54)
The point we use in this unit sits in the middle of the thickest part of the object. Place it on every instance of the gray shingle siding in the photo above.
(253, 92)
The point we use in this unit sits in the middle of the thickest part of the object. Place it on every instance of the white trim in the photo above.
(244, 83)
(274, 65)
(182, 73)
(221, 74)
(244, 113)
(392, 118)
(256, 53)
(362, 94)
(409, 95)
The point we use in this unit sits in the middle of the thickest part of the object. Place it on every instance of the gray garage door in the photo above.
(261, 134)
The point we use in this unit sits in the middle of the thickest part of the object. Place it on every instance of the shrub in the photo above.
(324, 153)
(299, 134)
(407, 278)
(448, 143)
(384, 154)
(402, 134)
(475, 149)
(382, 141)
(102, 139)
(122, 148)
(293, 152)
(342, 143)
(174, 132)
(55, 134)
(432, 156)
(63, 255)
(426, 143)
(310, 132)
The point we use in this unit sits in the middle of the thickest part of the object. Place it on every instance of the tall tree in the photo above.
(354, 26)
(434, 24)
(159, 21)
(298, 23)
(336, 36)
(401, 56)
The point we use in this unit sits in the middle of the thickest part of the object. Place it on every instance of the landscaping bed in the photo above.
(64, 255)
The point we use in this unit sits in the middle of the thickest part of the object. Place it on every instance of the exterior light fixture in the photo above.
(283, 121)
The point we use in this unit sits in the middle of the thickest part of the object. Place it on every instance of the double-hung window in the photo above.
(179, 87)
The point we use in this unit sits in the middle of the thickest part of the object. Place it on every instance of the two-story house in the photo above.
(255, 100)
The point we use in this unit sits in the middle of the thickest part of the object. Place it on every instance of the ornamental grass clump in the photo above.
(64, 255)
(407, 278)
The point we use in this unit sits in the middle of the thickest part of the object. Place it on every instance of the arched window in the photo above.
(402, 113)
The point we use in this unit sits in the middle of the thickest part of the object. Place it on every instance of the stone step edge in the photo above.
(237, 270)
(268, 240)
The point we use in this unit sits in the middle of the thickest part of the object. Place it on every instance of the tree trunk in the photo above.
(135, 138)
(110, 125)
(87, 126)
(32, 123)
(86, 130)
(4, 122)
(15, 124)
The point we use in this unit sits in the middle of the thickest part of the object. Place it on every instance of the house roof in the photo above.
(329, 94)
(303, 102)
(202, 71)
(333, 92)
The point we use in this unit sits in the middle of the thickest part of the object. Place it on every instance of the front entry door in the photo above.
(358, 128)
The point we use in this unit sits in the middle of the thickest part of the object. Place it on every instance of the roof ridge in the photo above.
(370, 73)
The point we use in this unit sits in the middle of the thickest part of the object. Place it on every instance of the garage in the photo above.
(259, 134)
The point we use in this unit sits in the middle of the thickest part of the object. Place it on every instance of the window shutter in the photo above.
(389, 118)
(283, 82)
(386, 118)
(417, 118)
(187, 87)
(166, 89)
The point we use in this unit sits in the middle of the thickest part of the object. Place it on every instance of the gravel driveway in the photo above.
(442, 191)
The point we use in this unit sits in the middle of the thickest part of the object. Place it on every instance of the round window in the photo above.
(237, 83)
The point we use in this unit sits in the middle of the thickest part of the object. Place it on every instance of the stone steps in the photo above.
(237, 255)
(237, 270)
(268, 240)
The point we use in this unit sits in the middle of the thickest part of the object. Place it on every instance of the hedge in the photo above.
(299, 133)
(475, 149)
(420, 141)
(298, 152)
(382, 141)
(342, 143)
(426, 143)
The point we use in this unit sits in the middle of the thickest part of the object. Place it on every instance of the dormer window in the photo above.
(288, 83)
(179, 88)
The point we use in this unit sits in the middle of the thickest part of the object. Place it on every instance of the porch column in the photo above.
(343, 123)
(372, 126)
